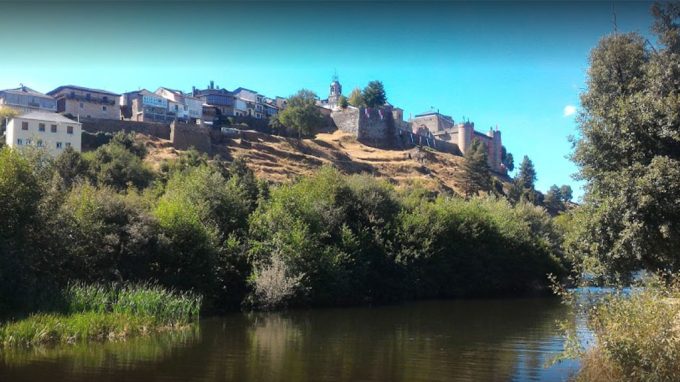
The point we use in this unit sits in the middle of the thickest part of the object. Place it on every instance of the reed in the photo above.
(104, 313)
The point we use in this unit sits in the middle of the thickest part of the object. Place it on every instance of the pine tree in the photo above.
(553, 199)
(566, 192)
(475, 175)
(374, 94)
(527, 174)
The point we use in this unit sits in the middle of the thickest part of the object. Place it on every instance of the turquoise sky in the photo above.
(517, 65)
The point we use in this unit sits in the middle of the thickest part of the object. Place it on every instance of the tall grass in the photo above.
(637, 334)
(100, 312)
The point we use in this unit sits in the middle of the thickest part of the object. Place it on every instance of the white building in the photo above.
(50, 131)
(186, 107)
(249, 102)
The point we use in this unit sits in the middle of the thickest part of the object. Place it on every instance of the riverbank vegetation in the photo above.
(207, 226)
(628, 152)
(95, 312)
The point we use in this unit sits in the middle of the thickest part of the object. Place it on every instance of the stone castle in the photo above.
(385, 127)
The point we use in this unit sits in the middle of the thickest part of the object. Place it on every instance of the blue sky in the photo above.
(517, 65)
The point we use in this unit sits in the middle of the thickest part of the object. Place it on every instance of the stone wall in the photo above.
(347, 120)
(94, 125)
(185, 136)
(372, 126)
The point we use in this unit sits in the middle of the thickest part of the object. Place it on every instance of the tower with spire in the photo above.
(335, 91)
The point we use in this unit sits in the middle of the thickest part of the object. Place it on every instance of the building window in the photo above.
(59, 145)
(104, 108)
(53, 128)
(28, 141)
(87, 96)
(69, 129)
(24, 125)
(105, 99)
(40, 143)
(81, 105)
(20, 142)
(68, 144)
(41, 127)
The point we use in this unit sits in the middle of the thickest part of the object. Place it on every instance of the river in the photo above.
(462, 340)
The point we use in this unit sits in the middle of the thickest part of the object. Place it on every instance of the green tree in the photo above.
(342, 102)
(71, 166)
(526, 177)
(628, 149)
(301, 115)
(356, 99)
(553, 199)
(6, 114)
(374, 94)
(475, 174)
(507, 159)
(566, 192)
(115, 165)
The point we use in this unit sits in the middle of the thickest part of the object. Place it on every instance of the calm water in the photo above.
(486, 340)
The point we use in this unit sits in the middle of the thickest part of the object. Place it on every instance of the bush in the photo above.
(638, 335)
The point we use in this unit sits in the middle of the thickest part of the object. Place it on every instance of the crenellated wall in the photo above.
(372, 126)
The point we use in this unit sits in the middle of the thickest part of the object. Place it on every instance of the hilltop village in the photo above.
(56, 119)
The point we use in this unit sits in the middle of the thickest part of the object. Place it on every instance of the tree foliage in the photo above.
(301, 115)
(356, 99)
(628, 149)
(374, 94)
(475, 175)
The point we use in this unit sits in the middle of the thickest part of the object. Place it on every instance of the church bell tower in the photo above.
(335, 91)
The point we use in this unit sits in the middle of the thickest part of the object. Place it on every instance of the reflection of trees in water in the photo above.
(125, 355)
(465, 340)
(472, 340)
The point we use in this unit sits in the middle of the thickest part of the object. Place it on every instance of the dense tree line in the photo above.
(628, 152)
(197, 224)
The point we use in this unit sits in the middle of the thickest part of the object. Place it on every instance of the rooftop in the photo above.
(82, 88)
(25, 90)
(46, 116)
(245, 89)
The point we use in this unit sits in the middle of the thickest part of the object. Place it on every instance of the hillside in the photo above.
(281, 159)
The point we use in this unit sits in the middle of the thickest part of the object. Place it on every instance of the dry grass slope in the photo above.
(281, 159)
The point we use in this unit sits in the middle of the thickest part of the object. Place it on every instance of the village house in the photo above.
(145, 106)
(47, 130)
(249, 103)
(25, 100)
(188, 108)
(216, 102)
(84, 102)
(280, 102)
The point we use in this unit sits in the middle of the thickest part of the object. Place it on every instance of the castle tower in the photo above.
(335, 92)
(465, 132)
(495, 149)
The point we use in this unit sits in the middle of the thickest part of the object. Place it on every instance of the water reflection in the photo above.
(489, 340)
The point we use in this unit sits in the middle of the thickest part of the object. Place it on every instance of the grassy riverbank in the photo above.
(101, 313)
(636, 335)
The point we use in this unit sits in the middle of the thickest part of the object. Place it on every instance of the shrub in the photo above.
(274, 285)
(638, 335)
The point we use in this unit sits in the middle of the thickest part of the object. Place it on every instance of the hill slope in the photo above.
(281, 159)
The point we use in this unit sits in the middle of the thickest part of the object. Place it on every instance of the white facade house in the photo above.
(50, 131)
(186, 107)
(249, 102)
